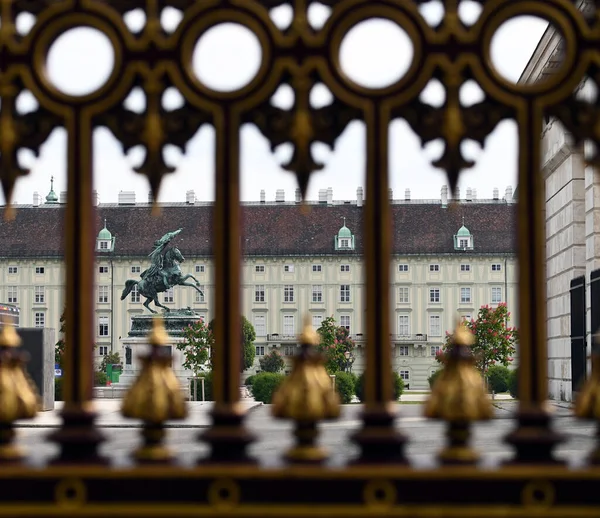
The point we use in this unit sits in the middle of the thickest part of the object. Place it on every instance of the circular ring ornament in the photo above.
(224, 493)
(554, 17)
(380, 494)
(395, 15)
(538, 493)
(70, 492)
(56, 28)
(194, 33)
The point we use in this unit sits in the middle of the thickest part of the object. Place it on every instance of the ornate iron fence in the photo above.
(227, 482)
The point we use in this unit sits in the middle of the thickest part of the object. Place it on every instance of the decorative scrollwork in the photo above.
(581, 117)
(19, 131)
(302, 125)
(155, 128)
(453, 123)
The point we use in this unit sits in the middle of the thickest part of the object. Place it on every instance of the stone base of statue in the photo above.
(136, 345)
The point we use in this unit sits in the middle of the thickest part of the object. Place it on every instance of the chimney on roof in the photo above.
(496, 194)
(190, 197)
(95, 198)
(150, 197)
(279, 195)
(126, 197)
(391, 194)
(322, 195)
(262, 196)
(36, 199)
(444, 195)
(474, 194)
(407, 195)
(62, 198)
(329, 195)
(298, 195)
(469, 196)
(457, 193)
(359, 197)
(508, 197)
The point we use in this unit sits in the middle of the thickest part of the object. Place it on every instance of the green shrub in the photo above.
(397, 387)
(58, 385)
(250, 380)
(265, 384)
(345, 384)
(100, 379)
(433, 377)
(208, 392)
(497, 378)
(513, 383)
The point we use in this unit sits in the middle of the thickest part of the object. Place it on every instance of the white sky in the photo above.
(375, 53)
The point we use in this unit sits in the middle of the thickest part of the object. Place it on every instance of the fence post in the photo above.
(202, 381)
(332, 376)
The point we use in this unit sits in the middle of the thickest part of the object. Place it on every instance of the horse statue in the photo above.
(164, 273)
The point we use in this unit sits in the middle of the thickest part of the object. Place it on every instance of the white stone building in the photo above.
(572, 194)
(448, 260)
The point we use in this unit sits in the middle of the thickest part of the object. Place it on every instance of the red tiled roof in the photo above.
(269, 229)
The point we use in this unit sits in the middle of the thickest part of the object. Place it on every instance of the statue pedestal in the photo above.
(136, 345)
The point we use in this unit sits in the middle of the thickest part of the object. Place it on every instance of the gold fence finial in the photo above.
(307, 397)
(155, 397)
(18, 396)
(459, 398)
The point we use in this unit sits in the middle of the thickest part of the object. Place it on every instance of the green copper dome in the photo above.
(52, 198)
(345, 232)
(463, 232)
(104, 234)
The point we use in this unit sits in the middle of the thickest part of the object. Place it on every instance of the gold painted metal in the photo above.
(380, 494)
(155, 397)
(459, 398)
(539, 494)
(70, 493)
(587, 405)
(18, 398)
(306, 397)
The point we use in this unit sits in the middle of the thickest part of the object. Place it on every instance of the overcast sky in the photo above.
(375, 53)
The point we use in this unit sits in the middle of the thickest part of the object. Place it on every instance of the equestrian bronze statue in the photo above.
(163, 274)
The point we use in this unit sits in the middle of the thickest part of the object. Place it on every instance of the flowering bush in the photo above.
(196, 345)
(272, 362)
(335, 341)
(494, 339)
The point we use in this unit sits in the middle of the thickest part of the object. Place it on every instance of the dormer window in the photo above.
(344, 240)
(463, 239)
(105, 241)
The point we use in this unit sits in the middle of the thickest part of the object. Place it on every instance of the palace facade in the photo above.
(449, 259)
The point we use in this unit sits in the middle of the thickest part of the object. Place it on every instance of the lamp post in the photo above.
(349, 360)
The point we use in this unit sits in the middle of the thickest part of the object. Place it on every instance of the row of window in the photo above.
(14, 270)
(289, 324)
(259, 294)
(496, 267)
(39, 295)
(435, 296)
(260, 268)
(290, 268)
(288, 293)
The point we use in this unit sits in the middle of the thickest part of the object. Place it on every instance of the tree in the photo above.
(272, 362)
(196, 345)
(494, 339)
(59, 348)
(248, 337)
(109, 359)
(335, 341)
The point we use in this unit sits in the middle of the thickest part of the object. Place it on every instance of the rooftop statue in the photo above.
(163, 274)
